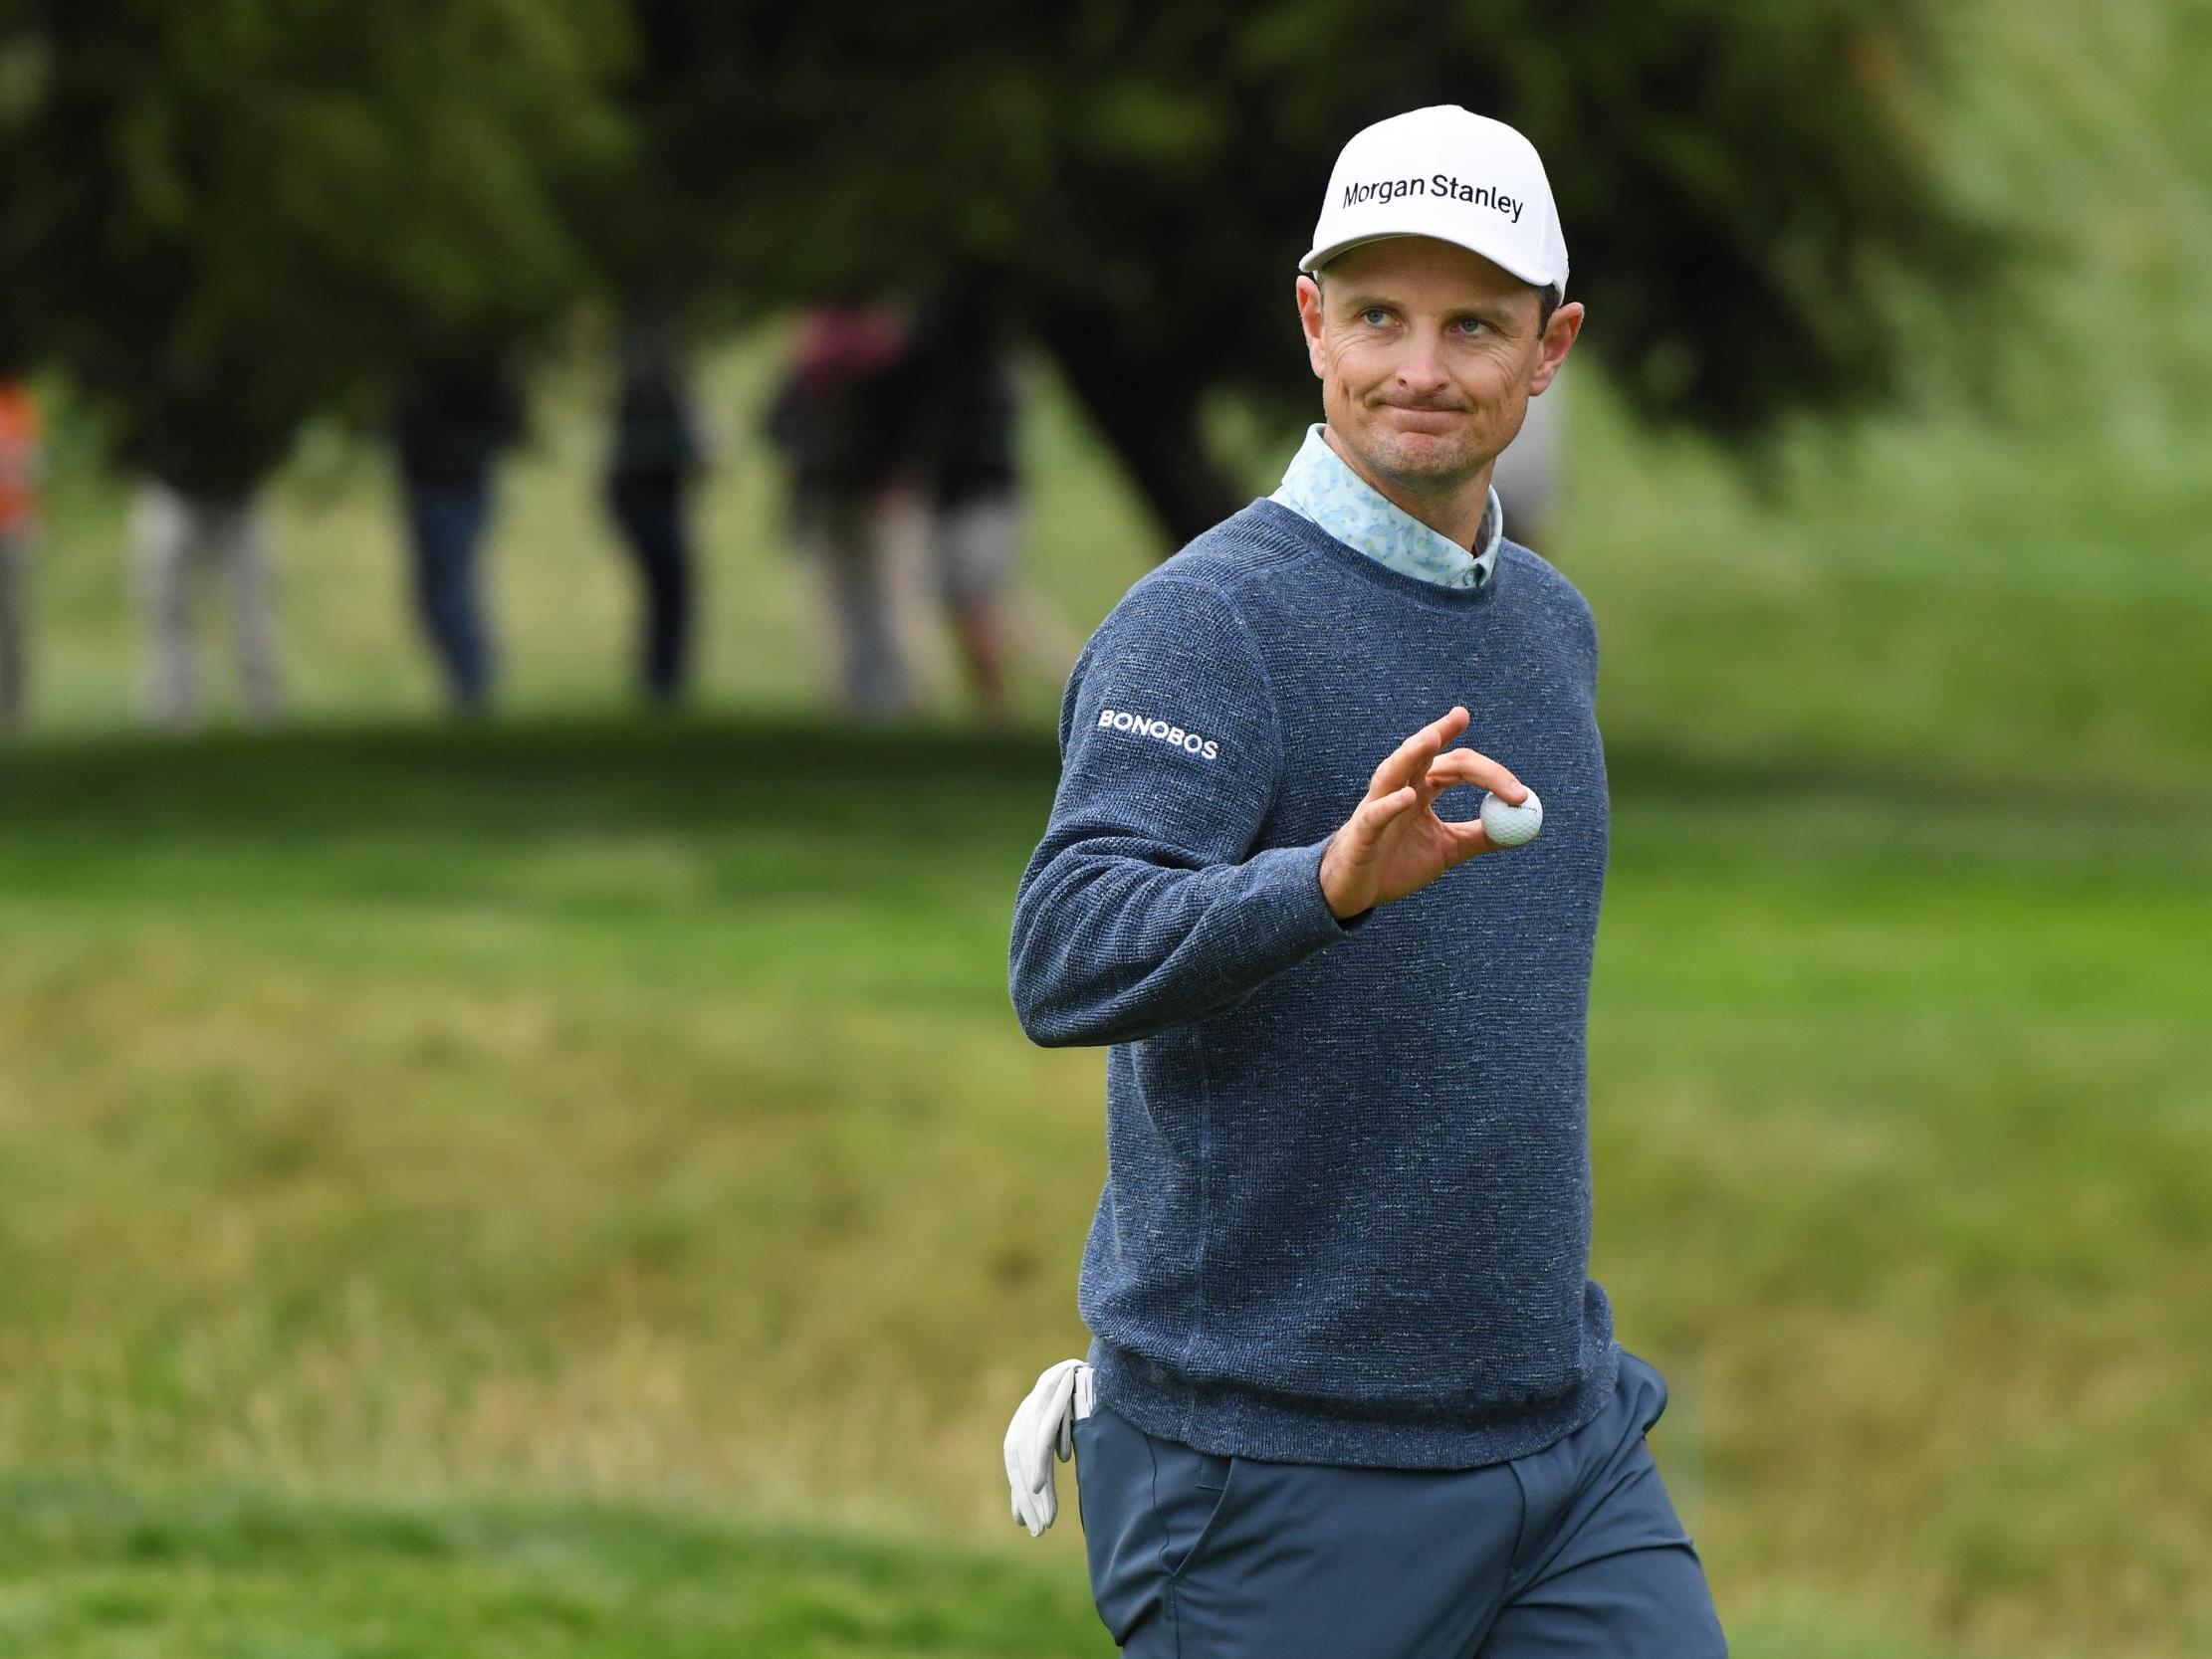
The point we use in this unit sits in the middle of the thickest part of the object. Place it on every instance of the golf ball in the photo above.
(1508, 825)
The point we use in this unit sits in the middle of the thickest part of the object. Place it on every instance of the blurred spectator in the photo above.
(21, 462)
(1527, 475)
(206, 443)
(175, 536)
(450, 423)
(961, 446)
(656, 455)
(838, 417)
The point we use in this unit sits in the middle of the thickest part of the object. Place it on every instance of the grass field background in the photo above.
(576, 1186)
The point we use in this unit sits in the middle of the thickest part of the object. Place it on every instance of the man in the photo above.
(652, 476)
(455, 414)
(837, 416)
(960, 443)
(1351, 1394)
(177, 535)
(22, 464)
(206, 433)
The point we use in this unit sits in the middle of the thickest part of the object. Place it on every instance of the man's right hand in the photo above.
(1394, 843)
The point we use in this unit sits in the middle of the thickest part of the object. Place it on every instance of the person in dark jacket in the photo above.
(655, 457)
(450, 423)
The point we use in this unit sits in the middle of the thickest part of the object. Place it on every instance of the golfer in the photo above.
(1351, 1394)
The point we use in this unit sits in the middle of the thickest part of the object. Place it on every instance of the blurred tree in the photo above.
(224, 215)
(1744, 194)
(274, 205)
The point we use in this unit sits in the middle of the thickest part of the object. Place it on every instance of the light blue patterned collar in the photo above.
(1320, 486)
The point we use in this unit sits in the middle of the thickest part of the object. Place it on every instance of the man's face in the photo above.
(1428, 355)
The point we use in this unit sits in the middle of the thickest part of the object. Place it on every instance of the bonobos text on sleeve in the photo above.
(1147, 904)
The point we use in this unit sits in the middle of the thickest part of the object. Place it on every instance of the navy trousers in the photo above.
(1573, 1551)
(446, 529)
(651, 516)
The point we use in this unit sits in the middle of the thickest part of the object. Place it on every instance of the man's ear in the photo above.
(1552, 349)
(1309, 318)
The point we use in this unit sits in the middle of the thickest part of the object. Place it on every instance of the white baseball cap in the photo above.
(1453, 174)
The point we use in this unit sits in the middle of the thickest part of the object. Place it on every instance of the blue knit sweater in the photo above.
(1346, 1216)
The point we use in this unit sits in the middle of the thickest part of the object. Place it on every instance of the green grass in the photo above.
(633, 1111)
(229, 1573)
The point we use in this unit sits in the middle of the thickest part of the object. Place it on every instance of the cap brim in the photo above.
(1321, 255)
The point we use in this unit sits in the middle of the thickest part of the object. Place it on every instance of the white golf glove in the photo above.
(1044, 1428)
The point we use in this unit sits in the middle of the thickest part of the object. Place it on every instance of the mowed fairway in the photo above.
(392, 1117)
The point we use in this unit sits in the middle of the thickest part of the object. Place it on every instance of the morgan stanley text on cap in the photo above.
(1449, 173)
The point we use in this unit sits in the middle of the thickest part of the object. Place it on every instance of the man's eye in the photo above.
(1472, 324)
(1374, 317)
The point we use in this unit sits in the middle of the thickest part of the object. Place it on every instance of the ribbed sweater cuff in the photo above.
(1288, 916)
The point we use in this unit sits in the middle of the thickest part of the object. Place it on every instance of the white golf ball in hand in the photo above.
(1508, 825)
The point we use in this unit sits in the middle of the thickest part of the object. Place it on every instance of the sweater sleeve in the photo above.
(1147, 904)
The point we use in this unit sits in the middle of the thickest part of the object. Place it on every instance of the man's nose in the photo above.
(1420, 370)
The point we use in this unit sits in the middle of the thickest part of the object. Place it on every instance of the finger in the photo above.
(1456, 767)
(1441, 776)
(1403, 764)
(1468, 840)
(1447, 771)
(1465, 765)
(1406, 762)
(1374, 816)
(1037, 1455)
(1446, 726)
(1036, 1449)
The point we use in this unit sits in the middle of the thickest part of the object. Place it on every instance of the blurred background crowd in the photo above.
(512, 1133)
(875, 403)
(237, 233)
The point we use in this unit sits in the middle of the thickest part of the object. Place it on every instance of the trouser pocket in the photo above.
(1191, 1489)
(1148, 1505)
